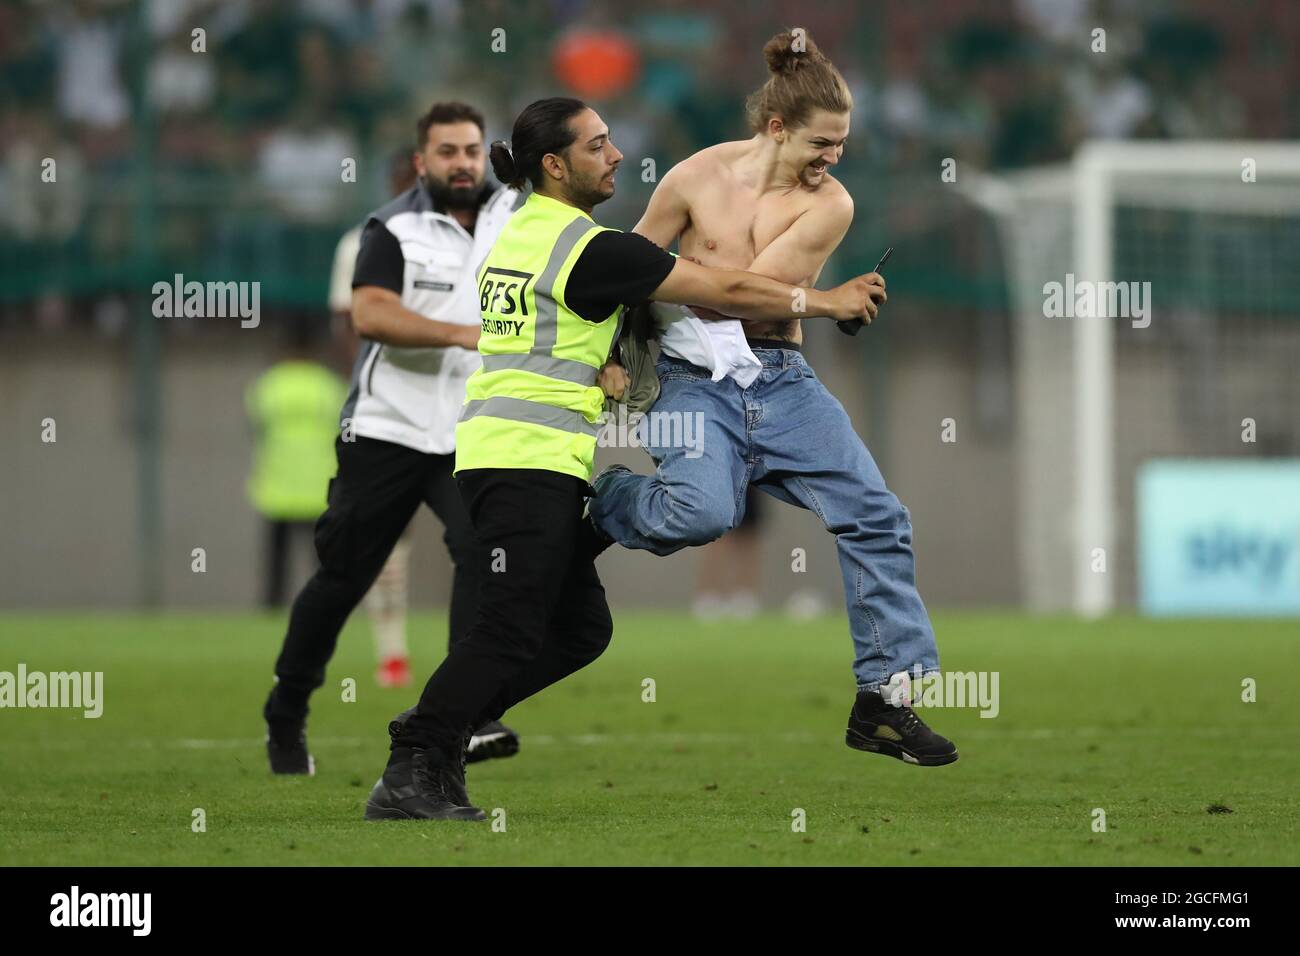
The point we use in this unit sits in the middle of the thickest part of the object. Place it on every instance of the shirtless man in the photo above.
(769, 205)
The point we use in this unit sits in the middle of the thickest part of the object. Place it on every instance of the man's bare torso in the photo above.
(731, 221)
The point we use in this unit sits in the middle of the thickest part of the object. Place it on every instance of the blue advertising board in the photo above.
(1219, 537)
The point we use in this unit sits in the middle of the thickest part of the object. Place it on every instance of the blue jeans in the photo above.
(790, 437)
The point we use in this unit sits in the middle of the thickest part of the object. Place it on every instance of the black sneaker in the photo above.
(493, 739)
(877, 726)
(422, 783)
(286, 747)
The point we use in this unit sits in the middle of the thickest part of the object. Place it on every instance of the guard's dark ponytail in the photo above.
(503, 164)
(543, 127)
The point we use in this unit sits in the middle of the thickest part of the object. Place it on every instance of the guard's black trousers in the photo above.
(542, 613)
(372, 499)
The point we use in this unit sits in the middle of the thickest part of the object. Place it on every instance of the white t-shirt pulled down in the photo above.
(717, 345)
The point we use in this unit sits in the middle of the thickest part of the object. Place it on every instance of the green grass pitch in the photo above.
(1142, 719)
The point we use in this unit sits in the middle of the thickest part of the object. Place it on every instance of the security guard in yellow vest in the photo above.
(552, 292)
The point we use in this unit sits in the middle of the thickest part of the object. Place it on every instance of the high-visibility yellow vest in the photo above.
(294, 407)
(535, 403)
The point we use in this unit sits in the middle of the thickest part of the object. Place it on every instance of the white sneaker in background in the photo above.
(805, 605)
(743, 605)
(709, 607)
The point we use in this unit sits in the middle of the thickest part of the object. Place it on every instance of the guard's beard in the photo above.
(444, 196)
(588, 194)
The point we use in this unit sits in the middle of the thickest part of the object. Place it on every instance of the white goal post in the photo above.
(1063, 220)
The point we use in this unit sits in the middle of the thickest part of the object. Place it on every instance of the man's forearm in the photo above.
(754, 298)
(392, 324)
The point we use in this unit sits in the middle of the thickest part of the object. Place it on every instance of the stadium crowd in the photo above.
(224, 151)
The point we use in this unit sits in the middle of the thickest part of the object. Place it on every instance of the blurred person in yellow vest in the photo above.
(293, 407)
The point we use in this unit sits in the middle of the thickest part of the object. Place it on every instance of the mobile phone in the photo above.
(854, 326)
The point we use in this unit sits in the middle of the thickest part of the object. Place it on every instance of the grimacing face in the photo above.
(810, 150)
(453, 160)
(590, 162)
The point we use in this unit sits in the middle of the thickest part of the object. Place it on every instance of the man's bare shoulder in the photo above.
(834, 199)
(711, 160)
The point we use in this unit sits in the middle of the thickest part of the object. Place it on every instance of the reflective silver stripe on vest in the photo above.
(547, 324)
(568, 370)
(535, 413)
